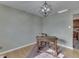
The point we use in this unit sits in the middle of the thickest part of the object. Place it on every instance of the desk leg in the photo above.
(56, 49)
(37, 45)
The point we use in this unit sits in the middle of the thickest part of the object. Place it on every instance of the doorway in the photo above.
(76, 31)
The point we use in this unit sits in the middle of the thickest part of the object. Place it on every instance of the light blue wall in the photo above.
(57, 25)
(17, 28)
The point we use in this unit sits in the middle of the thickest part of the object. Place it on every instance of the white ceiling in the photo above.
(34, 6)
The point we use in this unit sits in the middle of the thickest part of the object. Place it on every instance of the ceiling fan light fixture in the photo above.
(45, 9)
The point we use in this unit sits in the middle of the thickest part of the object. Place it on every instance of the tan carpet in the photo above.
(43, 54)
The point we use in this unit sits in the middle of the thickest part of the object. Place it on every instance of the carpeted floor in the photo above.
(44, 54)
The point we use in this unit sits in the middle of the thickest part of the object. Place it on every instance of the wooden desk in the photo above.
(43, 40)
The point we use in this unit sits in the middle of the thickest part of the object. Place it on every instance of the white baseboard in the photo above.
(66, 46)
(1, 53)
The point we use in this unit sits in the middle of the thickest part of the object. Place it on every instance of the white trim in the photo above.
(27, 46)
(66, 46)
(17, 48)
